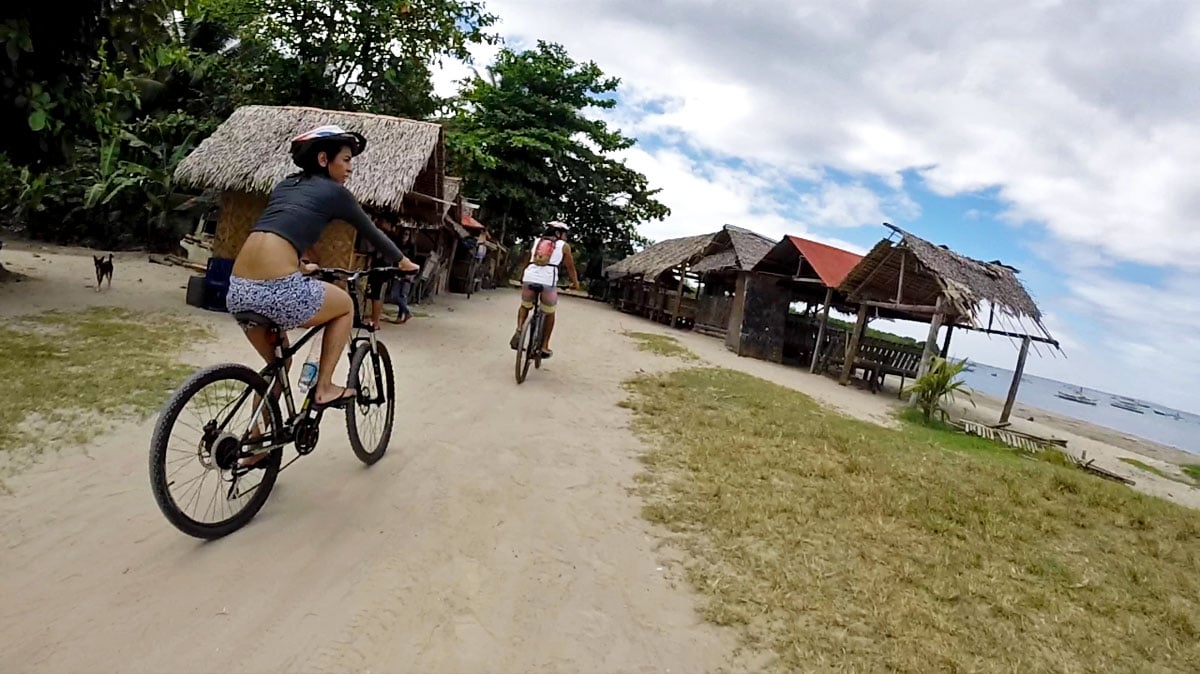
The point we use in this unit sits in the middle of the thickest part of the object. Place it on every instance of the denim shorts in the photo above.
(290, 301)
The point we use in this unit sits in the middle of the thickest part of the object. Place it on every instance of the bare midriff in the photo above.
(266, 256)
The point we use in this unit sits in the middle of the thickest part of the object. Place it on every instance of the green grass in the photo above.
(62, 372)
(662, 345)
(838, 544)
(1192, 470)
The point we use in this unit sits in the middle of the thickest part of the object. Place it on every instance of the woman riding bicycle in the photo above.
(268, 277)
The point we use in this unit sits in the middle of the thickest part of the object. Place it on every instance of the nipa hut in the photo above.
(723, 273)
(401, 172)
(912, 278)
(795, 270)
(651, 282)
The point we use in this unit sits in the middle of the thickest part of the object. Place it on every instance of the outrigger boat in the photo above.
(1121, 404)
(1077, 397)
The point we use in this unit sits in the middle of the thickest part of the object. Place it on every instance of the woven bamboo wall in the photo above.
(239, 212)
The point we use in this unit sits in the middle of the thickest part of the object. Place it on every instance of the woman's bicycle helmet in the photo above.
(324, 137)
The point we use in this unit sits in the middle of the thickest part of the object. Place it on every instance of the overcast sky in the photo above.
(1061, 137)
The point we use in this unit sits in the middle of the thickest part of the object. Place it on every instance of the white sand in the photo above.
(497, 535)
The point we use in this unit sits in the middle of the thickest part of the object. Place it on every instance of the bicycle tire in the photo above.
(526, 339)
(161, 438)
(538, 333)
(383, 367)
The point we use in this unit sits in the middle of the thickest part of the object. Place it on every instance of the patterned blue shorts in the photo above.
(290, 301)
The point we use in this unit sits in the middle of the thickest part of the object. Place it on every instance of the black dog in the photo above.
(104, 269)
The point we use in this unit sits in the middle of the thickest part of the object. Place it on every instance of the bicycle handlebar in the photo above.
(339, 274)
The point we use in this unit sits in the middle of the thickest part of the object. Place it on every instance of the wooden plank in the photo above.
(1014, 335)
(812, 367)
(900, 283)
(1016, 381)
(852, 347)
(910, 308)
(946, 344)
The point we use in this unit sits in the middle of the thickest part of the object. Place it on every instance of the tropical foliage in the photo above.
(940, 383)
(101, 100)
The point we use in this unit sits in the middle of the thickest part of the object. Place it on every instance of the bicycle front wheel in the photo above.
(198, 442)
(369, 418)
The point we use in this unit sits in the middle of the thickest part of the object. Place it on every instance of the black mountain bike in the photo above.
(529, 345)
(226, 414)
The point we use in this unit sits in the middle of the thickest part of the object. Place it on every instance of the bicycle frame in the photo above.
(276, 374)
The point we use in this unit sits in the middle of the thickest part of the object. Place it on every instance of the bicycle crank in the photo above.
(307, 432)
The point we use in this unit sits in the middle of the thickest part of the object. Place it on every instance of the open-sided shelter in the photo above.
(400, 172)
(651, 282)
(907, 276)
(794, 270)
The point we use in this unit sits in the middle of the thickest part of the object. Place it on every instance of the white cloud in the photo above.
(1081, 114)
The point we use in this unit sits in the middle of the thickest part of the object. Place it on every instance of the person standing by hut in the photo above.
(268, 277)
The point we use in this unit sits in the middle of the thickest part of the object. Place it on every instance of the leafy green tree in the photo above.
(529, 153)
(353, 54)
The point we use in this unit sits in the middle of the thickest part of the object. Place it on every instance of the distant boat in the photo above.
(1169, 415)
(1076, 397)
(1120, 404)
(1130, 402)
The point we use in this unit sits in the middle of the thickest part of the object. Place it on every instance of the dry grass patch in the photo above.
(844, 545)
(1142, 465)
(65, 373)
(662, 345)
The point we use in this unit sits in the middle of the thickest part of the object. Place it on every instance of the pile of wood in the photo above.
(177, 261)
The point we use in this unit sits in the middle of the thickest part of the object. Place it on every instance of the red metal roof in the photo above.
(831, 264)
(468, 221)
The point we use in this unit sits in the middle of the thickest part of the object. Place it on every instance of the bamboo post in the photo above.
(812, 367)
(946, 344)
(678, 298)
(852, 348)
(1016, 381)
(931, 341)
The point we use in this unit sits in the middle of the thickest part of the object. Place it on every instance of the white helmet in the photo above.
(555, 224)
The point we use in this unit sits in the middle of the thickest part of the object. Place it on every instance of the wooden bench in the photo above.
(877, 358)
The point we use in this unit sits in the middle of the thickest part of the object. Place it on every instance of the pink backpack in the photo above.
(543, 251)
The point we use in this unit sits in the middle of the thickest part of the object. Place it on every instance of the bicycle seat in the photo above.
(536, 287)
(252, 319)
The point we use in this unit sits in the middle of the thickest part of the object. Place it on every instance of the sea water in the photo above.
(1182, 433)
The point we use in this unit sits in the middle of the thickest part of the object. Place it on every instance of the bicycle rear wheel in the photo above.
(203, 429)
(372, 376)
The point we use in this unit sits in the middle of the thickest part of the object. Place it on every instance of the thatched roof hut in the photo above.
(660, 257)
(401, 171)
(737, 249)
(249, 153)
(911, 273)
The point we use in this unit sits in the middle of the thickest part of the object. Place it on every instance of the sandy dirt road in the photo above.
(497, 535)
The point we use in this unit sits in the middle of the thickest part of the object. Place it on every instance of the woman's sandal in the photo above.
(348, 396)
